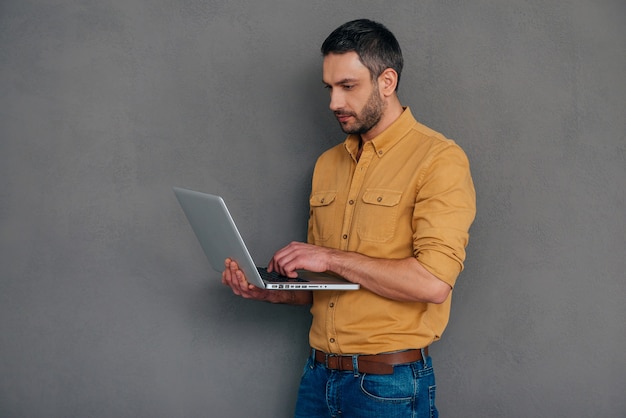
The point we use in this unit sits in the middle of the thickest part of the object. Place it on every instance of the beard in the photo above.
(369, 116)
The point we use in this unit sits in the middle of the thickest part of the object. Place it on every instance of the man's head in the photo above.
(375, 45)
(362, 64)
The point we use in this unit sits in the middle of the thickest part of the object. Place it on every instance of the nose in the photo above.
(337, 101)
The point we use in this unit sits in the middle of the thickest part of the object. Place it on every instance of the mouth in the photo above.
(342, 117)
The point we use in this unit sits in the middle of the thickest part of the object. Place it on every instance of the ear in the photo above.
(388, 81)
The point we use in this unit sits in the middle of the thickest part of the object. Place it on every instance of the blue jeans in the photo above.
(408, 392)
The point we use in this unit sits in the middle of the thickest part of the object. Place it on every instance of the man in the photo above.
(390, 209)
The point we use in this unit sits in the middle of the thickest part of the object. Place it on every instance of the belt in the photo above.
(369, 363)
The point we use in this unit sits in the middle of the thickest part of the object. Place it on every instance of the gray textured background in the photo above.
(107, 305)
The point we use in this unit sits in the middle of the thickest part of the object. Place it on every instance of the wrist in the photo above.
(344, 263)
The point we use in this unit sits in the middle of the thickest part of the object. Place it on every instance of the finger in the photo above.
(234, 278)
(281, 259)
(287, 263)
(272, 265)
(226, 271)
(228, 275)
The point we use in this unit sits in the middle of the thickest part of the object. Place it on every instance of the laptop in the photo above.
(219, 238)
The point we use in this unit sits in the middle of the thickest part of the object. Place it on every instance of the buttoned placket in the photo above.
(356, 184)
(358, 178)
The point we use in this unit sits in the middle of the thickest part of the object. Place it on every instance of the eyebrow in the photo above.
(343, 81)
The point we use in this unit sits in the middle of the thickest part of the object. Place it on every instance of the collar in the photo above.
(386, 139)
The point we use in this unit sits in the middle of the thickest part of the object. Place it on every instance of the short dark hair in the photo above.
(377, 48)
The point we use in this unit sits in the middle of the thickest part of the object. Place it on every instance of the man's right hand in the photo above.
(234, 278)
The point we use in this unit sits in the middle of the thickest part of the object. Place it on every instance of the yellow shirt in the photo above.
(409, 194)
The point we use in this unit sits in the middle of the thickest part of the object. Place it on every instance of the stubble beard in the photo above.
(369, 117)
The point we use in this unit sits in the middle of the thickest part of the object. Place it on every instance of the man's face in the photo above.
(354, 98)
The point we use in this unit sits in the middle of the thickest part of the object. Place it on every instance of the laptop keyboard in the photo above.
(276, 277)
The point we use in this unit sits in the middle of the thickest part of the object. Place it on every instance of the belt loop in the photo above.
(355, 365)
(423, 351)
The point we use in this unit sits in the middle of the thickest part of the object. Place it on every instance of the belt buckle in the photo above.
(327, 356)
(338, 363)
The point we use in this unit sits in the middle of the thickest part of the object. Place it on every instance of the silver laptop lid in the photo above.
(220, 239)
(217, 232)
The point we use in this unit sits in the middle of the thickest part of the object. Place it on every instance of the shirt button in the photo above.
(380, 199)
(332, 340)
(345, 236)
(351, 202)
(332, 305)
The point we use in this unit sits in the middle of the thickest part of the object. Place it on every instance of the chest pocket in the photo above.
(323, 220)
(378, 214)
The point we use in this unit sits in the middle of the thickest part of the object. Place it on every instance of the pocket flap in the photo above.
(382, 197)
(322, 198)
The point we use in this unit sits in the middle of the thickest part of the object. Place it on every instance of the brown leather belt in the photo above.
(366, 363)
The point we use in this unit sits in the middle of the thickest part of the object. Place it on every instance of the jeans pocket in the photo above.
(394, 388)
(434, 413)
(308, 366)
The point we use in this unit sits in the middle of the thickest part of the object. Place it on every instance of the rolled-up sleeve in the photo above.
(445, 207)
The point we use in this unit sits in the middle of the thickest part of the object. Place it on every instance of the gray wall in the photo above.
(107, 305)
